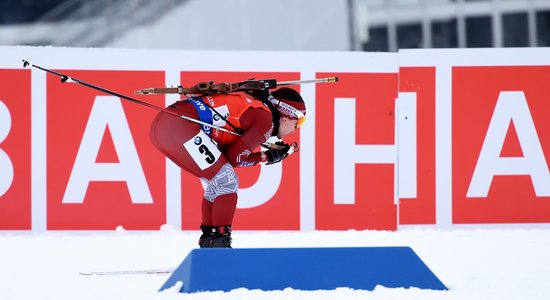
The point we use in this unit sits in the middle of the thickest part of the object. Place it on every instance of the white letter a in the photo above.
(511, 106)
(107, 111)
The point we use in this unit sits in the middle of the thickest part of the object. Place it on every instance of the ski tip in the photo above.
(25, 63)
(128, 272)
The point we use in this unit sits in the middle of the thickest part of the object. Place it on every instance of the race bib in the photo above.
(203, 151)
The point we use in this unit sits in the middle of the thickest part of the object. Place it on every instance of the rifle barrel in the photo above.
(318, 80)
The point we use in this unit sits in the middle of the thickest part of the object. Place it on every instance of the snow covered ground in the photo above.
(474, 264)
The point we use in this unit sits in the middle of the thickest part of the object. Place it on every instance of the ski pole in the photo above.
(66, 78)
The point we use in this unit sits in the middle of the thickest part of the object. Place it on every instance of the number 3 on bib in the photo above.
(203, 151)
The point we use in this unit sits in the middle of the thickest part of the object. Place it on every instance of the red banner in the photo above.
(501, 144)
(103, 170)
(421, 210)
(354, 188)
(15, 149)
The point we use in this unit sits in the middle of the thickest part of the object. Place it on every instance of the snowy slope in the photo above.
(474, 264)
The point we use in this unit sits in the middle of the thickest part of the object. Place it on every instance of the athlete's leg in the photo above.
(191, 149)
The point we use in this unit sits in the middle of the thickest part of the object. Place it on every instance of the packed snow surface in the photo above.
(473, 264)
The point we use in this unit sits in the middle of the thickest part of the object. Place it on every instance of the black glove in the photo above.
(276, 155)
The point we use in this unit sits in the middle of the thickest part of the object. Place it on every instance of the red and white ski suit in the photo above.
(211, 154)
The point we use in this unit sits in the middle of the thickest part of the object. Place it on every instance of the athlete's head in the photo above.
(292, 108)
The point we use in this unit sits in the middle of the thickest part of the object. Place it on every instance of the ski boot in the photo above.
(215, 237)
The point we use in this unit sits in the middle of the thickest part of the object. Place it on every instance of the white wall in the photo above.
(247, 25)
(414, 161)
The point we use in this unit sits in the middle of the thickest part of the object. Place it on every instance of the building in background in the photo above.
(399, 24)
(28, 11)
(309, 25)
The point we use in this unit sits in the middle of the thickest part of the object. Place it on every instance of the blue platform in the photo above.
(302, 269)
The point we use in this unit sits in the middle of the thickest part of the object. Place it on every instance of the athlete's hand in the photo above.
(276, 155)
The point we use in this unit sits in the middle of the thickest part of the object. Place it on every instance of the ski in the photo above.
(129, 272)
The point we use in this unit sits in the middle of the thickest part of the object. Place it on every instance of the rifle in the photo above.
(209, 88)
